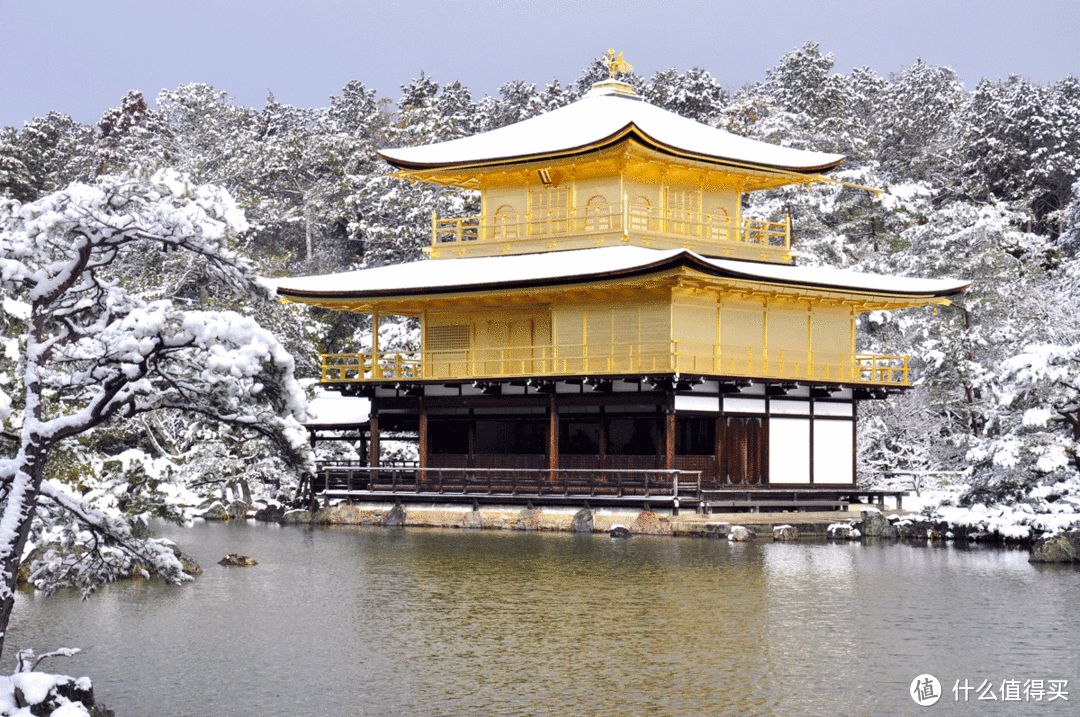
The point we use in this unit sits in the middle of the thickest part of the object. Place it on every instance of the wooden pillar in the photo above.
(721, 457)
(553, 434)
(472, 439)
(661, 440)
(669, 437)
(855, 445)
(763, 451)
(602, 439)
(422, 436)
(373, 453)
(375, 370)
(425, 366)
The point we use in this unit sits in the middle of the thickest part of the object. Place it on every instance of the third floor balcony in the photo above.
(608, 224)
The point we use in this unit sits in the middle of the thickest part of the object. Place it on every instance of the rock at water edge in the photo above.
(649, 523)
(240, 561)
(345, 515)
(785, 533)
(717, 530)
(395, 518)
(187, 563)
(876, 525)
(43, 694)
(582, 521)
(270, 514)
(528, 519)
(472, 521)
(843, 531)
(237, 510)
(741, 534)
(296, 517)
(216, 511)
(917, 528)
(1059, 548)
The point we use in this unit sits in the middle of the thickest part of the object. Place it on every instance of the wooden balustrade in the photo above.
(350, 479)
(617, 359)
(613, 217)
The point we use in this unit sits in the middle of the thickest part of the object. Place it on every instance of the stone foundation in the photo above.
(573, 520)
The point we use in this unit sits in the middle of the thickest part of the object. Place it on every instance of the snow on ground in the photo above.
(1042, 511)
(37, 688)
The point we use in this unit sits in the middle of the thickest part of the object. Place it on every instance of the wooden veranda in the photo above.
(666, 489)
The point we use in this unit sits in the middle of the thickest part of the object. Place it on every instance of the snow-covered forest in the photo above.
(979, 183)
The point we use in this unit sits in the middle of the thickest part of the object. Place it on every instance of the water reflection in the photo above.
(370, 621)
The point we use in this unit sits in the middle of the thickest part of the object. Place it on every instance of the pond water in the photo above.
(374, 621)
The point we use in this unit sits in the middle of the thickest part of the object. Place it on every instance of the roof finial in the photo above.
(617, 65)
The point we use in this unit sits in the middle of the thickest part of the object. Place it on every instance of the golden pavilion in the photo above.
(611, 325)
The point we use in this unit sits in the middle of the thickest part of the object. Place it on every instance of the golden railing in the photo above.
(617, 359)
(623, 217)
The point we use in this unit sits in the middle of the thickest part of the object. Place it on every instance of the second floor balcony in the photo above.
(617, 360)
(602, 223)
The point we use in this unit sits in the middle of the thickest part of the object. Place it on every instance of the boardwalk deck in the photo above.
(661, 488)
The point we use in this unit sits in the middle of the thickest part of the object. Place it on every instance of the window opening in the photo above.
(718, 224)
(597, 214)
(682, 209)
(506, 222)
(550, 208)
(452, 337)
(640, 214)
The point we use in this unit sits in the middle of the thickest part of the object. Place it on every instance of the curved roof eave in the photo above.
(596, 120)
(810, 278)
(629, 131)
(774, 274)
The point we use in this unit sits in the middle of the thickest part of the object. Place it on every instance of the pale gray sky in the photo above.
(80, 56)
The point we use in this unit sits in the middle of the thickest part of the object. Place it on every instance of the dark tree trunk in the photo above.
(23, 510)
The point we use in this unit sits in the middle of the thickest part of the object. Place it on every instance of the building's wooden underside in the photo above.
(538, 487)
(704, 441)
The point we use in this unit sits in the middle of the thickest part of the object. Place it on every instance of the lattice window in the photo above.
(640, 213)
(550, 209)
(718, 224)
(452, 337)
(682, 209)
(598, 214)
(506, 222)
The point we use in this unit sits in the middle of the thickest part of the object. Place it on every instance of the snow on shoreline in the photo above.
(1041, 512)
(25, 690)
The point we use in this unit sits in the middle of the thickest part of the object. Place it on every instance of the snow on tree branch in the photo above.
(113, 549)
(101, 341)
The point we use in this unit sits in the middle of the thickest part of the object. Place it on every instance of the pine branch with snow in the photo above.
(96, 349)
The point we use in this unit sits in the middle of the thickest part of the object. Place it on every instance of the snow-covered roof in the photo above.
(605, 115)
(585, 265)
(329, 409)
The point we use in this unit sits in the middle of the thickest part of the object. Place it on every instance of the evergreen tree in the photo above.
(94, 351)
(1024, 146)
(694, 94)
(56, 150)
(129, 134)
(800, 104)
(15, 179)
(919, 133)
